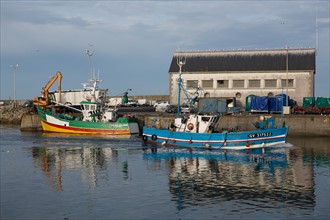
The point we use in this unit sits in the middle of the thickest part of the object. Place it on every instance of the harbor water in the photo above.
(53, 176)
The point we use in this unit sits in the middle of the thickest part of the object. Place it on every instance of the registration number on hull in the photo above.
(258, 135)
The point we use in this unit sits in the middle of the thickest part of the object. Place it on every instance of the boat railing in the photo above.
(216, 122)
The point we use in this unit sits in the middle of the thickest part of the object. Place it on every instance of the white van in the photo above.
(160, 105)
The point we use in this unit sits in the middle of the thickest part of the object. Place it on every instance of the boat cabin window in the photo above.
(205, 119)
(93, 107)
(89, 107)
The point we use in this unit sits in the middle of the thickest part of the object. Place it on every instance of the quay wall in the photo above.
(30, 122)
(11, 115)
(306, 125)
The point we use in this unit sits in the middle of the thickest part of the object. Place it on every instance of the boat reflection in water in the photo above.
(257, 156)
(260, 178)
(54, 161)
(281, 181)
(62, 156)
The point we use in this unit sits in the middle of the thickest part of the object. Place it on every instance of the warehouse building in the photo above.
(241, 73)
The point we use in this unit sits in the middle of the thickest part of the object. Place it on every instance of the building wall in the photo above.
(243, 84)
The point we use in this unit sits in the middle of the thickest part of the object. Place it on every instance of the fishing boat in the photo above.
(92, 118)
(199, 130)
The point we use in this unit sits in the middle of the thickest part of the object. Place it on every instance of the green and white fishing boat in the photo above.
(94, 119)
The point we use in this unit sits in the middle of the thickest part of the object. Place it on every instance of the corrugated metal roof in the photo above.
(245, 60)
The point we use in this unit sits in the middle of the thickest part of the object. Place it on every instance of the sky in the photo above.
(133, 41)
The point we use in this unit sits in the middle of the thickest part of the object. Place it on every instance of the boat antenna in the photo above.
(180, 61)
(89, 53)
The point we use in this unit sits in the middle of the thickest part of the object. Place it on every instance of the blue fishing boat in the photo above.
(198, 130)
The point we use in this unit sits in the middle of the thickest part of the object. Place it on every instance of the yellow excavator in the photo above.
(44, 100)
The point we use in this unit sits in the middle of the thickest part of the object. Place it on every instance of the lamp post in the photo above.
(15, 66)
(286, 108)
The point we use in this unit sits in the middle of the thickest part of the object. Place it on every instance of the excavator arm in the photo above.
(44, 99)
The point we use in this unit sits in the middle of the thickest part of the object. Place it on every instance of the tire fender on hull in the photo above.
(154, 137)
(144, 137)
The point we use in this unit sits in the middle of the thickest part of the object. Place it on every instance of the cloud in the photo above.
(21, 12)
(137, 39)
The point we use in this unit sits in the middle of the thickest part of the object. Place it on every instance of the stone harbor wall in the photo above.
(11, 115)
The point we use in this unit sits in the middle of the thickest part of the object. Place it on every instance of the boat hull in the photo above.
(226, 140)
(51, 123)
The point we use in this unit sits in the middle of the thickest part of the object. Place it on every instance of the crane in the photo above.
(44, 100)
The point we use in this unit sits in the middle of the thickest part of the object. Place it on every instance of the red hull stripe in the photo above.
(89, 130)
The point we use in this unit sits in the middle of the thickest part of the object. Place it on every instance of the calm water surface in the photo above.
(77, 177)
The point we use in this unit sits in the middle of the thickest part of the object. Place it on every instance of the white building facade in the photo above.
(238, 74)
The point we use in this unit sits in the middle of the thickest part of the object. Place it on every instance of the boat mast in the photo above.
(180, 61)
(89, 53)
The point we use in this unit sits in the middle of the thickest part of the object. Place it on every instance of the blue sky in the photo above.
(133, 41)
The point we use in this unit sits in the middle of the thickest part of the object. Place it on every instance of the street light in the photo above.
(286, 108)
(15, 66)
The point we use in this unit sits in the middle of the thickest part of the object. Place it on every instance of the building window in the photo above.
(238, 83)
(270, 83)
(192, 84)
(222, 83)
(283, 82)
(207, 83)
(254, 83)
